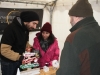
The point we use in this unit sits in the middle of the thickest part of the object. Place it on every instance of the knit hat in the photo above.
(82, 8)
(47, 27)
(28, 16)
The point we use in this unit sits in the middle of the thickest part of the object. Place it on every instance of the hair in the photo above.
(50, 39)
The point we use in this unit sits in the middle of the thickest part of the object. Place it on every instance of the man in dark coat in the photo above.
(81, 52)
(14, 41)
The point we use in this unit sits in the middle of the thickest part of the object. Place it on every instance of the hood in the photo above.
(37, 34)
(17, 21)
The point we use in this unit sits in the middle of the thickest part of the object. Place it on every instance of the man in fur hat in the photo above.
(81, 52)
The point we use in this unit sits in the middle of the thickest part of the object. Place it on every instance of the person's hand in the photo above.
(28, 49)
(55, 63)
(23, 62)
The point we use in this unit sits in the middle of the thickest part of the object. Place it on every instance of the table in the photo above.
(52, 71)
(38, 71)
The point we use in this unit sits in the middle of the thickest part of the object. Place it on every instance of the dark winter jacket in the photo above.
(81, 52)
(13, 42)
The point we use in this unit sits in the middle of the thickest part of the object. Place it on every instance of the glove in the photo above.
(55, 63)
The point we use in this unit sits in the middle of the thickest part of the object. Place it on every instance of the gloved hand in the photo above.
(55, 63)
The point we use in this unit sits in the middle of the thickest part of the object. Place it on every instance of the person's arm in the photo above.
(10, 54)
(56, 53)
(7, 41)
(28, 45)
(35, 44)
(69, 62)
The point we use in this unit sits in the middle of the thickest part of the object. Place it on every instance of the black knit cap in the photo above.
(82, 8)
(28, 16)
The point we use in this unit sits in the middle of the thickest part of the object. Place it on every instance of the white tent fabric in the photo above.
(37, 4)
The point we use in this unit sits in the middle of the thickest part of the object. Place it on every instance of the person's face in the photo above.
(31, 25)
(45, 35)
(72, 20)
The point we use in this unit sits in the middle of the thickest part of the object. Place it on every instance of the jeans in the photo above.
(9, 68)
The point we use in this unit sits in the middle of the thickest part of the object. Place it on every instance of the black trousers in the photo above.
(9, 68)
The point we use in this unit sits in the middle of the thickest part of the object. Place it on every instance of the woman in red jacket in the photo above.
(47, 45)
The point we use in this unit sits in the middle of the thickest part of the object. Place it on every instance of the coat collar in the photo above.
(17, 21)
(86, 21)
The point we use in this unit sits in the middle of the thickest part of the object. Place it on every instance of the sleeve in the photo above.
(69, 62)
(7, 41)
(35, 44)
(8, 36)
(56, 53)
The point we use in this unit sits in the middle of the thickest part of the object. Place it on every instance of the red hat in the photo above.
(47, 27)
